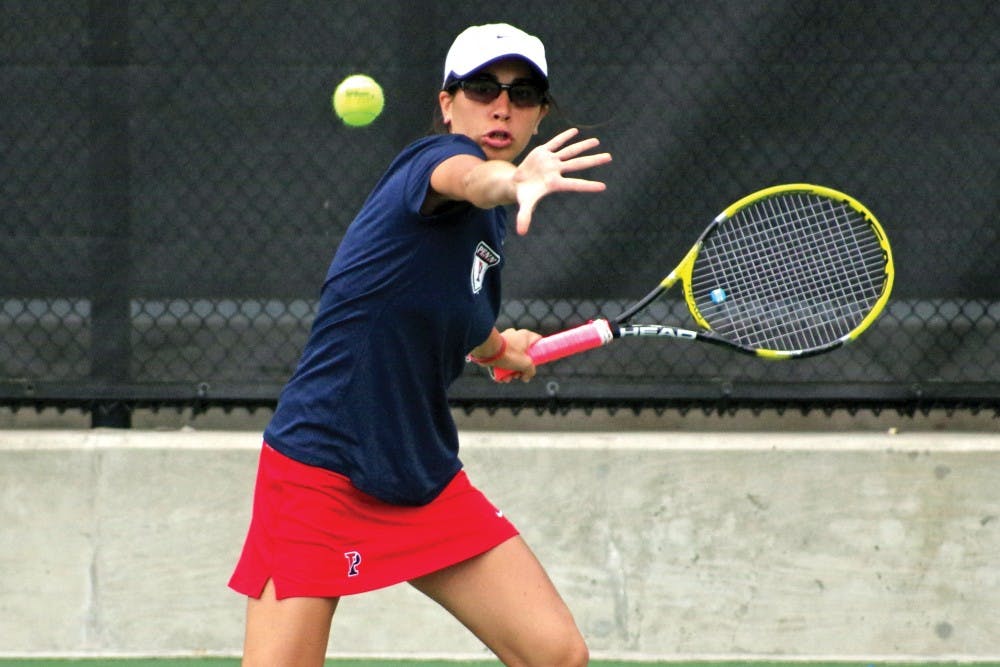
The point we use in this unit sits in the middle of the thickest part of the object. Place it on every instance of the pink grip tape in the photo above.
(563, 344)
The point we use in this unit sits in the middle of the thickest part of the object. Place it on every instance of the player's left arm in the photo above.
(489, 183)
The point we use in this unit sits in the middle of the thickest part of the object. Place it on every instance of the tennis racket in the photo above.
(788, 272)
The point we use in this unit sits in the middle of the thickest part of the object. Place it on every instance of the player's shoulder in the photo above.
(444, 145)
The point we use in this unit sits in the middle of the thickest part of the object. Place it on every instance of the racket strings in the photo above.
(797, 256)
(834, 305)
(804, 319)
(792, 272)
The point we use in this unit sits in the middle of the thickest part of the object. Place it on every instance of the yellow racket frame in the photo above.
(684, 269)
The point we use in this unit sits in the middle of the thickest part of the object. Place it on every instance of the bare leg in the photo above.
(293, 632)
(507, 600)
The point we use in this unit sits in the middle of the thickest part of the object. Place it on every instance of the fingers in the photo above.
(557, 141)
(579, 147)
(516, 357)
(524, 219)
(567, 153)
(572, 157)
(581, 185)
(542, 172)
(528, 201)
(527, 338)
(586, 162)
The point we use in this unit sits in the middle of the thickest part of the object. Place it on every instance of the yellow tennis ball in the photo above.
(358, 100)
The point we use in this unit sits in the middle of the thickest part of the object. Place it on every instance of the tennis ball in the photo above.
(358, 100)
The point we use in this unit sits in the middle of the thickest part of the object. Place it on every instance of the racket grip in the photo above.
(563, 344)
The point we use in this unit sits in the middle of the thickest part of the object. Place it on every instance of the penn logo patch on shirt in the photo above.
(484, 258)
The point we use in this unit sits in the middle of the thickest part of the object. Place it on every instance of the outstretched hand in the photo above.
(541, 173)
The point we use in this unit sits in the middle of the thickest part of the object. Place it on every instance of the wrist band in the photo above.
(486, 361)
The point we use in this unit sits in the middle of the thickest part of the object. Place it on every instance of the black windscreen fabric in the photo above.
(174, 183)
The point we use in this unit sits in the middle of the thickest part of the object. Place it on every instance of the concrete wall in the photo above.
(665, 544)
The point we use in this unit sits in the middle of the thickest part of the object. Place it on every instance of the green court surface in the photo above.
(233, 662)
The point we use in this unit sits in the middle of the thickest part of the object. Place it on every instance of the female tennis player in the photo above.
(359, 484)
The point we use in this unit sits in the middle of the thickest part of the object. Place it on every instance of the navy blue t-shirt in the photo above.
(406, 297)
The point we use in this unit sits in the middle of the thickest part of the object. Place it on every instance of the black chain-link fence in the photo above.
(173, 185)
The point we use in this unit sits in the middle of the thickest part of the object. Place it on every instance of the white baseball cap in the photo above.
(479, 45)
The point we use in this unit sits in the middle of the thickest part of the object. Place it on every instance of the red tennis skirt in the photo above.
(315, 535)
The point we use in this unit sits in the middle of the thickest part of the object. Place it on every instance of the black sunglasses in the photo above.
(485, 89)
